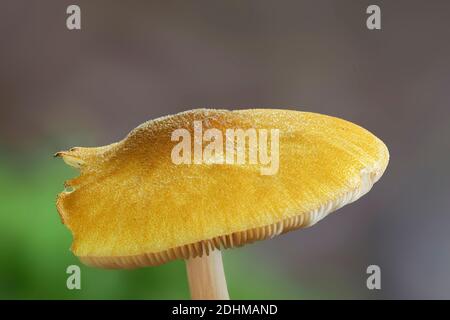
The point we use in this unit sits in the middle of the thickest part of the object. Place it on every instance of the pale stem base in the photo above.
(207, 278)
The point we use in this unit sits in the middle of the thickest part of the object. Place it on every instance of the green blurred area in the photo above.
(34, 248)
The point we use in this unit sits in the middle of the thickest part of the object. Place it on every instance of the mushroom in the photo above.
(134, 206)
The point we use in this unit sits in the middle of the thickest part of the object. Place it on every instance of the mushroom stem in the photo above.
(206, 277)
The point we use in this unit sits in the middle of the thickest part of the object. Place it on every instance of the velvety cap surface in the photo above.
(133, 206)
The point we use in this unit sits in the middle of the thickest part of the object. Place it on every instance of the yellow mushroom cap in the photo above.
(132, 206)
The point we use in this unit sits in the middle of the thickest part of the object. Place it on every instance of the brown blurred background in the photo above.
(137, 60)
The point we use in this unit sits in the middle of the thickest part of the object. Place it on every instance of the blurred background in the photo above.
(137, 60)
